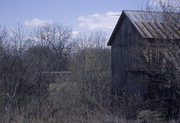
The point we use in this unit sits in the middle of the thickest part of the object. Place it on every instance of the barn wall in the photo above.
(124, 60)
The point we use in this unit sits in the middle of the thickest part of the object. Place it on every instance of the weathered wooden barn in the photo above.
(134, 27)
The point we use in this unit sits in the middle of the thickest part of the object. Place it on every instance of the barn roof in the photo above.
(150, 24)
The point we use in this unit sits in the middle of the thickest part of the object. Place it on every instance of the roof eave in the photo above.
(113, 35)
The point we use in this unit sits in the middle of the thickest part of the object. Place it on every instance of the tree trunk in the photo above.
(8, 113)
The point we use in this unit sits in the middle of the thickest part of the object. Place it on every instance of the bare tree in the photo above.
(56, 39)
(12, 72)
(91, 70)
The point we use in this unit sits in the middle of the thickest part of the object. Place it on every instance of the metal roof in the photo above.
(152, 24)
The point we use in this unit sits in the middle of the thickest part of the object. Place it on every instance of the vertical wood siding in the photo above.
(124, 61)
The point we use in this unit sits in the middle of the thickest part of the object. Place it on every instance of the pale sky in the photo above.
(76, 14)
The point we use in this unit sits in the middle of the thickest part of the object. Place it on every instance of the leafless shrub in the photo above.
(160, 61)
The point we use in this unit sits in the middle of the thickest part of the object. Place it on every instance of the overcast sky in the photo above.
(76, 14)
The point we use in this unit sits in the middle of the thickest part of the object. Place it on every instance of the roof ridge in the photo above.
(148, 11)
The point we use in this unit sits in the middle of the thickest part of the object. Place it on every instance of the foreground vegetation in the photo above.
(28, 96)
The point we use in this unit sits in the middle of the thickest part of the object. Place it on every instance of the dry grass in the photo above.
(98, 118)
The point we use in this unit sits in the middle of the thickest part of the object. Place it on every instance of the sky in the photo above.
(78, 15)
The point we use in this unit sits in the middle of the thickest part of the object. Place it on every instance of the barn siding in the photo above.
(124, 61)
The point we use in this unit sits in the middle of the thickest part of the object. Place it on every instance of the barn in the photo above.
(132, 28)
